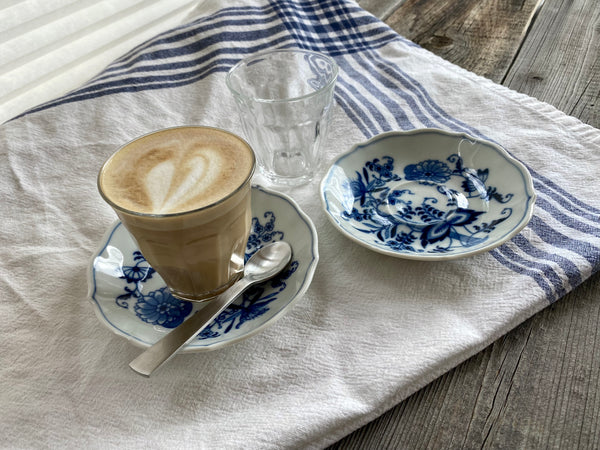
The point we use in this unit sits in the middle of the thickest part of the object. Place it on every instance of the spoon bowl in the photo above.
(267, 262)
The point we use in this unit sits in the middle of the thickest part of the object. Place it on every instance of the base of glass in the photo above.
(206, 296)
(276, 181)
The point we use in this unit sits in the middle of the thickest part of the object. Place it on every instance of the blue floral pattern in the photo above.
(431, 171)
(159, 307)
(387, 205)
(262, 234)
(255, 301)
(135, 275)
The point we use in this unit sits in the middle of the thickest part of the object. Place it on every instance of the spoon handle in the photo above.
(163, 350)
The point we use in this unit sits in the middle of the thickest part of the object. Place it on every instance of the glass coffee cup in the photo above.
(184, 193)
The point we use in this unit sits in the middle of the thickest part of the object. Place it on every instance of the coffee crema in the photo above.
(176, 170)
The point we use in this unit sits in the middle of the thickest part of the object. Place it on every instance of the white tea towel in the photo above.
(370, 330)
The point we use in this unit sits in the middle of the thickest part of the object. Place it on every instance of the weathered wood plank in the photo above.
(482, 36)
(561, 63)
(381, 9)
(539, 386)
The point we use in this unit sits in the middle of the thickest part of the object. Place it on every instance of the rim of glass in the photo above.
(180, 213)
(254, 56)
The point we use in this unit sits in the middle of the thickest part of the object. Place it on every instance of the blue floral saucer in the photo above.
(131, 299)
(428, 194)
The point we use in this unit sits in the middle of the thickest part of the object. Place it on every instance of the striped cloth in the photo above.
(371, 329)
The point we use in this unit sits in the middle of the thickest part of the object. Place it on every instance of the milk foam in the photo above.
(176, 170)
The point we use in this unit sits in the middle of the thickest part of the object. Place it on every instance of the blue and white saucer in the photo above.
(131, 299)
(428, 194)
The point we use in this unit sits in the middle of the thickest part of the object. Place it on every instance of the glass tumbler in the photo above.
(284, 98)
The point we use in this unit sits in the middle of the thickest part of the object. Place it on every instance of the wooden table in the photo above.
(538, 386)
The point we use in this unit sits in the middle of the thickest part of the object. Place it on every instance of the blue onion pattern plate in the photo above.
(131, 299)
(428, 194)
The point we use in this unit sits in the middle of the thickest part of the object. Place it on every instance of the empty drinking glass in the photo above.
(284, 99)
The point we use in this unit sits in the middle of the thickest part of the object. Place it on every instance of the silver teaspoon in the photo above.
(264, 264)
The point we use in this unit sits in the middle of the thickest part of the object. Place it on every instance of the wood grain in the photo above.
(539, 386)
(482, 36)
(561, 62)
(379, 8)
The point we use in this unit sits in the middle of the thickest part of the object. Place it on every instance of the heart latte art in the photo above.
(183, 170)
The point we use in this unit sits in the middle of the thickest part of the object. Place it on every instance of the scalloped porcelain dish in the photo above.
(132, 300)
(428, 194)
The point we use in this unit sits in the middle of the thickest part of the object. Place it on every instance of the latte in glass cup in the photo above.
(184, 195)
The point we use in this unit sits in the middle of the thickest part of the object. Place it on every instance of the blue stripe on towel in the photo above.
(572, 221)
(564, 198)
(539, 267)
(571, 270)
(416, 107)
(589, 252)
(534, 274)
(406, 82)
(372, 122)
(366, 81)
(351, 108)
